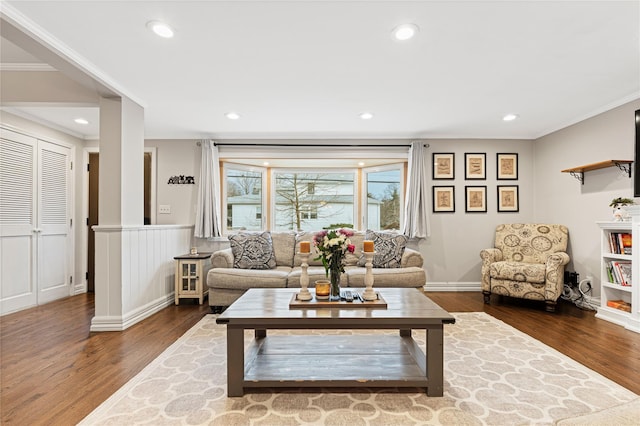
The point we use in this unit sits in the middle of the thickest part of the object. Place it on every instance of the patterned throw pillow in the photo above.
(389, 248)
(252, 250)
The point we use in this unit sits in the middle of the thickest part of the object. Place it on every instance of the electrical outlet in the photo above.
(164, 209)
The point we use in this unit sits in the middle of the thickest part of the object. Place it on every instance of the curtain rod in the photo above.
(308, 146)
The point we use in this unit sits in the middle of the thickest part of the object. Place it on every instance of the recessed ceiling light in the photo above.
(405, 31)
(81, 121)
(361, 163)
(366, 115)
(266, 163)
(232, 115)
(160, 28)
(510, 117)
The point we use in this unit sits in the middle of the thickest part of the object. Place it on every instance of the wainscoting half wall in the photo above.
(135, 272)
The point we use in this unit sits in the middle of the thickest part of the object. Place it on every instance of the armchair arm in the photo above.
(488, 257)
(222, 258)
(554, 275)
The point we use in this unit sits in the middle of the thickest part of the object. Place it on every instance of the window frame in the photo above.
(401, 166)
(225, 206)
(274, 172)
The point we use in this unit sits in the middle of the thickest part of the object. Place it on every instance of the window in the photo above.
(307, 188)
(384, 197)
(243, 196)
(330, 201)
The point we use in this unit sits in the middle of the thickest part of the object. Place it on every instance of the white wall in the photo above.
(559, 198)
(452, 253)
(175, 158)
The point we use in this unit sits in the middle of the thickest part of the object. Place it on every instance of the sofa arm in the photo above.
(411, 257)
(488, 257)
(222, 259)
(554, 275)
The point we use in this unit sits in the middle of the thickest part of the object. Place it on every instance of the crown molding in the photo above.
(27, 66)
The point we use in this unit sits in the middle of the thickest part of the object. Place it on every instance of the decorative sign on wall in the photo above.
(182, 180)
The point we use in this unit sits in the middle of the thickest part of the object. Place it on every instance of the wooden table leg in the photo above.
(260, 333)
(235, 361)
(405, 332)
(435, 361)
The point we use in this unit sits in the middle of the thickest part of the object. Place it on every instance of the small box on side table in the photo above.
(191, 272)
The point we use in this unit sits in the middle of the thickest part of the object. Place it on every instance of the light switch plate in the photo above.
(164, 209)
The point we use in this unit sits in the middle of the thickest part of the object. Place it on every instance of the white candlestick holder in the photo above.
(369, 294)
(304, 293)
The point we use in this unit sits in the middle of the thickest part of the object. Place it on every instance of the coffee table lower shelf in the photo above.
(335, 361)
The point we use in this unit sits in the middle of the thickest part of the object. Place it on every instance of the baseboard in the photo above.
(119, 323)
(453, 286)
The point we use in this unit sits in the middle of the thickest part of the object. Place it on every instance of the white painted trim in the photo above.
(130, 228)
(115, 323)
(27, 66)
(453, 286)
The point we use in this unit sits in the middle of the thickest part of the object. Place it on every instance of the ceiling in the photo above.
(307, 69)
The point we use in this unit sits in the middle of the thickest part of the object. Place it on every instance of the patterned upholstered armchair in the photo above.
(527, 262)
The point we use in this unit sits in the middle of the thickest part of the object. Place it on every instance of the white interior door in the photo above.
(53, 230)
(18, 240)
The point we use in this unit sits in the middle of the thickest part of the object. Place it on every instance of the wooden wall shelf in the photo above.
(578, 172)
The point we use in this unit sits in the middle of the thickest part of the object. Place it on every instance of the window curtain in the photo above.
(416, 218)
(208, 210)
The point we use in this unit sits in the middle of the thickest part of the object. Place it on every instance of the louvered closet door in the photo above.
(53, 230)
(18, 239)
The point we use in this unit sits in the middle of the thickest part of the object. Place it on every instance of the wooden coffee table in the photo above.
(305, 359)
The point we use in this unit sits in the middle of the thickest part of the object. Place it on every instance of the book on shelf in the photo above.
(619, 304)
(619, 272)
(620, 243)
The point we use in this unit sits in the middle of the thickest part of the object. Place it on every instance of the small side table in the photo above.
(191, 272)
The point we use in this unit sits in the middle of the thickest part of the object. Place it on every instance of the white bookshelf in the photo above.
(610, 289)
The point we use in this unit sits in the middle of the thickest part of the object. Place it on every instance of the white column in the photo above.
(121, 189)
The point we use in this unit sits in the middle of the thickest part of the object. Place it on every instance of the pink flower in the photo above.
(351, 248)
(346, 232)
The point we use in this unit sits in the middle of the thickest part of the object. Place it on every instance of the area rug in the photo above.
(494, 375)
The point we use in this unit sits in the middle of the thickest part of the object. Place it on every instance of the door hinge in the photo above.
(71, 165)
(87, 166)
(87, 221)
(71, 279)
(86, 275)
(70, 222)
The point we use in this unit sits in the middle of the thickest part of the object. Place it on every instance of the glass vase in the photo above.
(334, 277)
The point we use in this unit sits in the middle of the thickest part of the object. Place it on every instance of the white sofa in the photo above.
(226, 283)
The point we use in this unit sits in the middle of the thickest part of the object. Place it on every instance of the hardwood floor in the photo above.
(54, 371)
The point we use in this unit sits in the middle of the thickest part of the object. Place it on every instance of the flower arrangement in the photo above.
(333, 245)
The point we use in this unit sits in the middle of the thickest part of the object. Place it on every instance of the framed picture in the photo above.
(475, 166)
(508, 198)
(444, 199)
(475, 199)
(507, 166)
(443, 166)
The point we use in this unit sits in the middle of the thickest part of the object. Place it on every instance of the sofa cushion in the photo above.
(244, 279)
(297, 260)
(357, 239)
(283, 247)
(389, 248)
(516, 271)
(388, 277)
(252, 250)
(314, 273)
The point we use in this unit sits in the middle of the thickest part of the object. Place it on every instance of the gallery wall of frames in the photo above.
(475, 171)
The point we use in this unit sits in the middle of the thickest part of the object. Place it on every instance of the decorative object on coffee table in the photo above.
(368, 293)
(333, 245)
(323, 289)
(304, 293)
